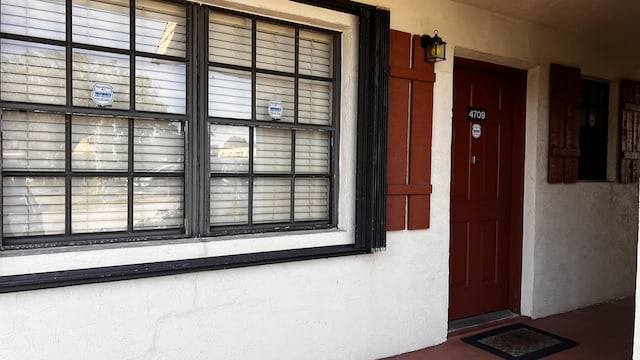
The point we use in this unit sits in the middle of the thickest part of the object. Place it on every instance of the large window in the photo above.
(271, 123)
(179, 133)
(109, 134)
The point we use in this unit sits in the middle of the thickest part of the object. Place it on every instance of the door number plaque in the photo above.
(476, 114)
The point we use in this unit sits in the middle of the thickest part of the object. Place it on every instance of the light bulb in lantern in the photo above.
(436, 51)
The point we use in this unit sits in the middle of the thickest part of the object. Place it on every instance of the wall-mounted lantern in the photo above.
(435, 47)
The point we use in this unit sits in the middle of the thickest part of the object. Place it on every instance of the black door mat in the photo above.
(519, 341)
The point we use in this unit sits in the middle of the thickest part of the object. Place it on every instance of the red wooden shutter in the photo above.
(564, 124)
(630, 131)
(409, 147)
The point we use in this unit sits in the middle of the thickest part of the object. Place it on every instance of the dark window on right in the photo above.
(594, 131)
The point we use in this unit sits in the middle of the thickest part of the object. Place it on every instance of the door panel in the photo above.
(481, 193)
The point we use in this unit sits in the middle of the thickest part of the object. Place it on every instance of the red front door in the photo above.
(485, 124)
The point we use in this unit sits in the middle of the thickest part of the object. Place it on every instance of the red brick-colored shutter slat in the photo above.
(630, 131)
(564, 123)
(420, 154)
(399, 54)
(410, 121)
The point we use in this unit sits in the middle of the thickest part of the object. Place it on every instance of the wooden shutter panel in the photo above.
(409, 146)
(630, 131)
(564, 124)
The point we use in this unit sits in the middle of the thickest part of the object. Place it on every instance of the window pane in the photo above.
(271, 200)
(312, 199)
(272, 150)
(33, 206)
(161, 28)
(32, 72)
(275, 47)
(229, 39)
(229, 201)
(314, 102)
(161, 86)
(158, 146)
(33, 141)
(101, 22)
(229, 148)
(98, 204)
(315, 54)
(274, 88)
(38, 18)
(312, 152)
(158, 203)
(229, 94)
(99, 144)
(90, 67)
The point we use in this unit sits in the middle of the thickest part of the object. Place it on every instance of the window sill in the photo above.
(44, 260)
(52, 279)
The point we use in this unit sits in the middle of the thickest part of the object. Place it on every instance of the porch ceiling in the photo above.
(588, 17)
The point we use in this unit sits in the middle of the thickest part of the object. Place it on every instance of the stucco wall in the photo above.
(579, 240)
(579, 247)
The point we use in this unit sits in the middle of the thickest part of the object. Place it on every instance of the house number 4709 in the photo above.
(476, 114)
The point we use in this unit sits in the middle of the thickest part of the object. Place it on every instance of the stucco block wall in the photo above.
(321, 309)
(583, 249)
(579, 245)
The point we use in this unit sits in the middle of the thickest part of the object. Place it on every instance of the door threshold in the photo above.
(480, 321)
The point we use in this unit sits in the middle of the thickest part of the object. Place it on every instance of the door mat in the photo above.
(520, 341)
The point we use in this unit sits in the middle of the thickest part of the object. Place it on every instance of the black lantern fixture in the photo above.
(435, 48)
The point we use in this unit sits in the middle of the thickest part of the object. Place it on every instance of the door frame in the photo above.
(519, 77)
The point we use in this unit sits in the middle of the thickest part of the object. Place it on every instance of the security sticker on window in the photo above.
(102, 94)
(476, 131)
(275, 109)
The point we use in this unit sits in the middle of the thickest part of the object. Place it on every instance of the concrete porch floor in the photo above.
(603, 331)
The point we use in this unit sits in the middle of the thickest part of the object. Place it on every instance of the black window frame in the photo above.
(333, 128)
(370, 219)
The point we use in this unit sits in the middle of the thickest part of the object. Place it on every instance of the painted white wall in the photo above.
(579, 245)
(579, 240)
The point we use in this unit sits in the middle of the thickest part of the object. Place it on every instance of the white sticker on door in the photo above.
(476, 131)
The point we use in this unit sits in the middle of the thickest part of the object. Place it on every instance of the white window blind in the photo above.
(276, 88)
(33, 206)
(74, 168)
(99, 204)
(158, 146)
(316, 53)
(99, 144)
(229, 204)
(312, 199)
(230, 39)
(229, 93)
(32, 72)
(229, 148)
(103, 22)
(37, 18)
(161, 28)
(158, 203)
(314, 102)
(271, 200)
(272, 150)
(161, 86)
(312, 152)
(275, 47)
(307, 164)
(33, 141)
(90, 67)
